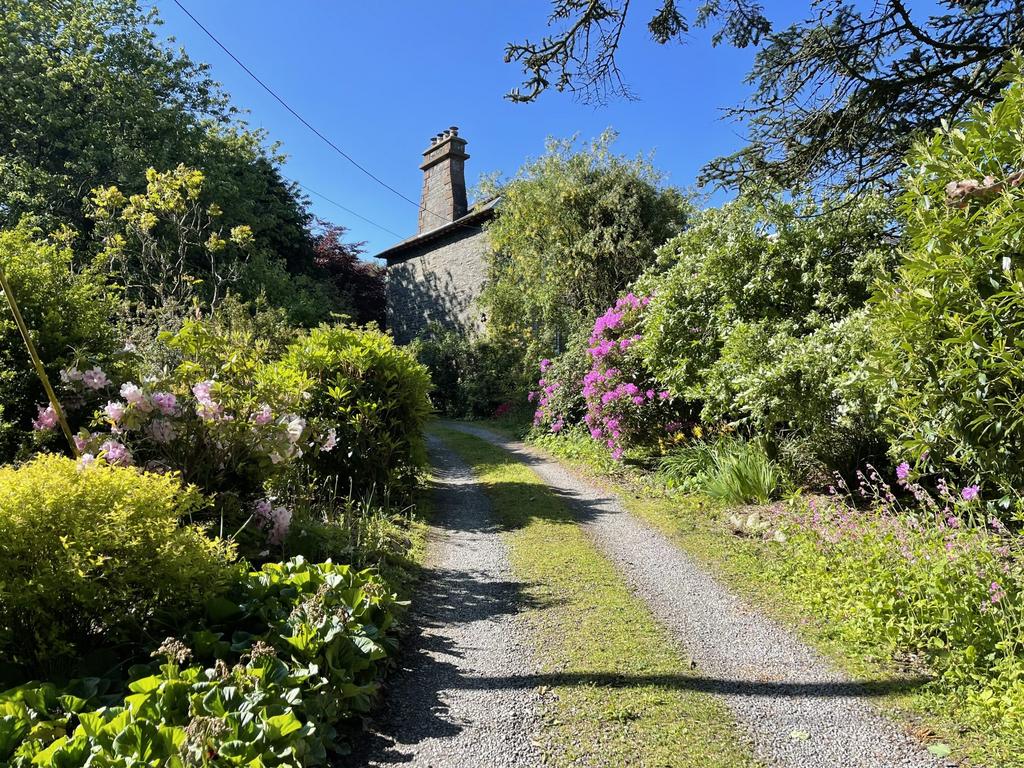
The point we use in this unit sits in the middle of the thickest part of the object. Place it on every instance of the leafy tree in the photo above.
(361, 283)
(950, 358)
(574, 229)
(837, 97)
(92, 98)
(70, 313)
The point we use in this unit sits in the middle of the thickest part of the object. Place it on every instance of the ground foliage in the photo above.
(282, 658)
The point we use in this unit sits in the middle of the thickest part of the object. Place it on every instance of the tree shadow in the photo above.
(712, 685)
(447, 596)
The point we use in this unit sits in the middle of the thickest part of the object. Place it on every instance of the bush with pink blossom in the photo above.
(626, 406)
(233, 420)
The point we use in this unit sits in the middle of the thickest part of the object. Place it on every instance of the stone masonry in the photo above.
(437, 275)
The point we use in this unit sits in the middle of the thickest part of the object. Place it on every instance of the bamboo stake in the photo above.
(40, 371)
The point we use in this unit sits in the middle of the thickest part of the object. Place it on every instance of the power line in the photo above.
(344, 208)
(295, 114)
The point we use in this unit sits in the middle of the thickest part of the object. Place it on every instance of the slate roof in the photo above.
(476, 215)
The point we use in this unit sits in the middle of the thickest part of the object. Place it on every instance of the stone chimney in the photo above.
(444, 180)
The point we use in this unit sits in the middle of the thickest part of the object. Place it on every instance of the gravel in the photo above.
(798, 710)
(464, 697)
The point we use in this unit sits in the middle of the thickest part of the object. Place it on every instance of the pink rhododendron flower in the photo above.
(46, 420)
(262, 416)
(114, 411)
(557, 426)
(86, 460)
(133, 395)
(294, 425)
(162, 431)
(278, 518)
(202, 391)
(329, 444)
(95, 379)
(115, 452)
(81, 442)
(208, 408)
(71, 374)
(165, 401)
(544, 365)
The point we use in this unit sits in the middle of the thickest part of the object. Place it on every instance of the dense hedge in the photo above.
(374, 396)
(949, 363)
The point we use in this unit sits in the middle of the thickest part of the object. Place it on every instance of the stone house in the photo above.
(436, 275)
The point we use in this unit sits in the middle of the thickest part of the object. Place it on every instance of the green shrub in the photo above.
(295, 650)
(472, 376)
(949, 362)
(755, 315)
(218, 411)
(99, 555)
(374, 395)
(734, 471)
(69, 313)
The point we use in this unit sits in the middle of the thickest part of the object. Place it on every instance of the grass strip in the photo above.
(614, 683)
(699, 526)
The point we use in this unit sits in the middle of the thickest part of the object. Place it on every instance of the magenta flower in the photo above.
(970, 493)
(903, 472)
(544, 365)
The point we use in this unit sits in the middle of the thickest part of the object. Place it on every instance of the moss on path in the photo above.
(613, 683)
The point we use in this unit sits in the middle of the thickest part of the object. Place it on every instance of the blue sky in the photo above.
(380, 78)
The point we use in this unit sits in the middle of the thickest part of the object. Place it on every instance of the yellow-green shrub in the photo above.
(97, 555)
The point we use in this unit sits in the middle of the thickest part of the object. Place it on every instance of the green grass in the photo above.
(616, 686)
(699, 526)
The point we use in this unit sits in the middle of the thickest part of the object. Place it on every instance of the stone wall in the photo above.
(437, 282)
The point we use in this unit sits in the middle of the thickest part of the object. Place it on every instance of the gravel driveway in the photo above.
(799, 711)
(443, 711)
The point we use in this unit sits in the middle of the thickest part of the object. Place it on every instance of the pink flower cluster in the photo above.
(622, 401)
(276, 520)
(147, 418)
(543, 397)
